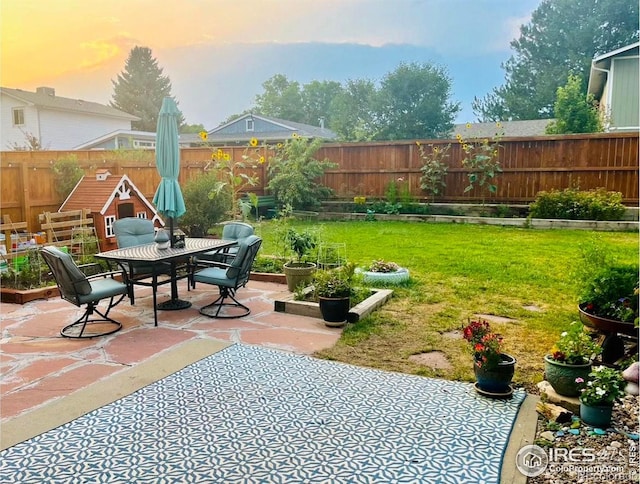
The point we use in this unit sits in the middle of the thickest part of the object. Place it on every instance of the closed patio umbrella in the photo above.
(168, 198)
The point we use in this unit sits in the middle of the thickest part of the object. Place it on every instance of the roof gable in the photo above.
(98, 195)
(45, 98)
(267, 128)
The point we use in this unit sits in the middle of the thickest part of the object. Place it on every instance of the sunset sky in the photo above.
(78, 47)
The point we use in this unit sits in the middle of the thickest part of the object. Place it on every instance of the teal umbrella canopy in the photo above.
(168, 198)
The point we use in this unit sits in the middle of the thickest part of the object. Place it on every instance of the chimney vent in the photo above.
(49, 91)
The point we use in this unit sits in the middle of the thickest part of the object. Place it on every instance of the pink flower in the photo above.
(579, 380)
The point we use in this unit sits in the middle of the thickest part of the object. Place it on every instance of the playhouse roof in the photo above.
(98, 193)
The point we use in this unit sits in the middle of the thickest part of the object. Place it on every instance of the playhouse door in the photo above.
(125, 210)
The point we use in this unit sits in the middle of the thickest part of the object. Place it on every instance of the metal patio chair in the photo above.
(229, 278)
(80, 289)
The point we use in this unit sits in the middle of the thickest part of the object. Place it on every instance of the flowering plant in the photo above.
(383, 266)
(604, 386)
(486, 345)
(575, 346)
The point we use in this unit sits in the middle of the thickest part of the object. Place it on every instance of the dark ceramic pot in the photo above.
(496, 378)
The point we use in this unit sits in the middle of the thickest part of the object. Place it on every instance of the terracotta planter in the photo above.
(562, 376)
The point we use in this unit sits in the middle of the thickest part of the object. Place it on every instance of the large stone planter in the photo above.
(298, 274)
(562, 376)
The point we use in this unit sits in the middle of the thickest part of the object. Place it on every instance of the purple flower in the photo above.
(579, 380)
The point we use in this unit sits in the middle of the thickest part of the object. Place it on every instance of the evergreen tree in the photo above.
(562, 37)
(140, 89)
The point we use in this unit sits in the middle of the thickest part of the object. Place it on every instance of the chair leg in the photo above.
(77, 329)
(213, 310)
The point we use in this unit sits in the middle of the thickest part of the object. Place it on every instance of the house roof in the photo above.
(45, 97)
(282, 129)
(531, 127)
(185, 140)
(98, 195)
(600, 67)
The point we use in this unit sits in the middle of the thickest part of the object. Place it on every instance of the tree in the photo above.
(562, 37)
(140, 89)
(413, 102)
(575, 112)
(281, 99)
(192, 128)
(352, 117)
(316, 101)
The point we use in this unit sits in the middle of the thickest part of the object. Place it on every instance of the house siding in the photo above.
(259, 126)
(65, 130)
(625, 96)
(11, 135)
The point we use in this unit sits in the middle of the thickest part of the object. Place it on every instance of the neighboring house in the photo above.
(128, 139)
(109, 198)
(615, 84)
(265, 129)
(58, 123)
(507, 129)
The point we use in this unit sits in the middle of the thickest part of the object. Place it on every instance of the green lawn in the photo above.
(458, 271)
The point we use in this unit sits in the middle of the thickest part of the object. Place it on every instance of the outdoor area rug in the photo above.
(254, 415)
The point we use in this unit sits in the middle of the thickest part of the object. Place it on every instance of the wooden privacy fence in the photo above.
(530, 165)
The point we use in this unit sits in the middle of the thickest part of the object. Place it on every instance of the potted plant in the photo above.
(570, 358)
(299, 272)
(385, 272)
(493, 368)
(603, 387)
(608, 299)
(333, 288)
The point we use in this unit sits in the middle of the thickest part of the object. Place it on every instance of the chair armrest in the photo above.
(107, 274)
(211, 263)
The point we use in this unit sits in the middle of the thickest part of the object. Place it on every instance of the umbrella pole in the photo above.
(174, 303)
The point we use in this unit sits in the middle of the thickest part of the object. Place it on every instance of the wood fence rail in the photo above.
(530, 165)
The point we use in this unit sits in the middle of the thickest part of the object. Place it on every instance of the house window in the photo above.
(250, 124)
(141, 214)
(143, 144)
(18, 117)
(108, 225)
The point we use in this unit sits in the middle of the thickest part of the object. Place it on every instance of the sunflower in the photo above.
(253, 142)
(203, 135)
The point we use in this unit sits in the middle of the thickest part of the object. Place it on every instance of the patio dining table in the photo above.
(151, 254)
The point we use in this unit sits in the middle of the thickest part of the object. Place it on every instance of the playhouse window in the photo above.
(108, 225)
(141, 214)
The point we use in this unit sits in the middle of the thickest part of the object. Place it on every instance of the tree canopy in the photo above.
(140, 88)
(575, 112)
(411, 102)
(562, 38)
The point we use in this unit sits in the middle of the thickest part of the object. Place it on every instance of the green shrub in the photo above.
(295, 174)
(67, 174)
(573, 204)
(203, 209)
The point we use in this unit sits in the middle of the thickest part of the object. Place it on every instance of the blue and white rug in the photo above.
(253, 415)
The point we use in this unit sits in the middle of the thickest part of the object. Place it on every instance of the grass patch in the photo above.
(458, 271)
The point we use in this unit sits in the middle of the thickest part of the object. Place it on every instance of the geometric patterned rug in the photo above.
(255, 415)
